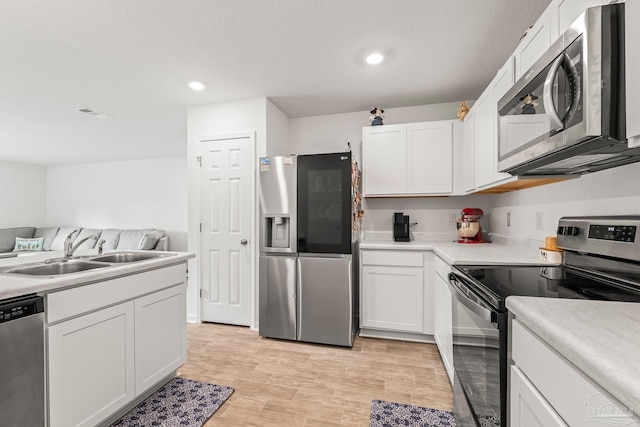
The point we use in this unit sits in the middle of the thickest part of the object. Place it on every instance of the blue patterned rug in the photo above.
(181, 402)
(388, 414)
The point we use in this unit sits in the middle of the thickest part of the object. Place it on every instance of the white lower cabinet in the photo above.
(100, 359)
(442, 325)
(548, 390)
(528, 406)
(396, 292)
(90, 361)
(161, 340)
(392, 298)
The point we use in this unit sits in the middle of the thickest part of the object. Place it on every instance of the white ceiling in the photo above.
(131, 59)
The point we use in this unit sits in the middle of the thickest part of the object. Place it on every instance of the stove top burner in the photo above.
(498, 282)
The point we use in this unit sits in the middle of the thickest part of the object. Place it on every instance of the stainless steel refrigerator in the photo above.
(308, 246)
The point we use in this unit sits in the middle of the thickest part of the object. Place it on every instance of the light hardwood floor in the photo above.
(283, 383)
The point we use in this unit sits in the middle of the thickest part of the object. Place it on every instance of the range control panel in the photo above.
(612, 236)
(616, 233)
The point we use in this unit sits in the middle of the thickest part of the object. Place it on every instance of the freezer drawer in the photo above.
(326, 300)
(277, 304)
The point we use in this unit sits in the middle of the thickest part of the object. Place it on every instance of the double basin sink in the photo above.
(76, 265)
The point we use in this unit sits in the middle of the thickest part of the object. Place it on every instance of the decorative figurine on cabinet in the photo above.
(529, 103)
(376, 116)
(463, 110)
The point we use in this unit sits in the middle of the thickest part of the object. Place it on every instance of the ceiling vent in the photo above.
(94, 113)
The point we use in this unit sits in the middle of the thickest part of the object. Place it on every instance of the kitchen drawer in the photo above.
(572, 394)
(392, 258)
(442, 268)
(83, 299)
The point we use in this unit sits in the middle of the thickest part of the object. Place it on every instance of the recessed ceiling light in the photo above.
(374, 58)
(195, 85)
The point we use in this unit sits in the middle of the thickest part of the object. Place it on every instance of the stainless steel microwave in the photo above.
(566, 114)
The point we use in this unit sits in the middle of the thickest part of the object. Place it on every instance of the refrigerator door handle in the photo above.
(298, 297)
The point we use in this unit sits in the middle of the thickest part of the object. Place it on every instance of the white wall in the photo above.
(330, 133)
(131, 194)
(435, 216)
(609, 192)
(213, 120)
(277, 131)
(23, 195)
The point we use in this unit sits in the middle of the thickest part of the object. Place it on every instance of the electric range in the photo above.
(601, 262)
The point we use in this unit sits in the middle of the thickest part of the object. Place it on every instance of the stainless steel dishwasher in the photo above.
(22, 361)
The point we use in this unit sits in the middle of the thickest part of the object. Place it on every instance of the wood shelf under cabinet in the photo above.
(521, 183)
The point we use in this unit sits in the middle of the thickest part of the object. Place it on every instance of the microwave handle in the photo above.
(549, 107)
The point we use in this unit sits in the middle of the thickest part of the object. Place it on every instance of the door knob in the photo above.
(244, 242)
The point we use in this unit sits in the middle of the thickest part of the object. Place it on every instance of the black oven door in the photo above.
(479, 358)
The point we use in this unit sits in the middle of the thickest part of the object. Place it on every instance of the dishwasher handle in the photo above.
(19, 307)
(472, 301)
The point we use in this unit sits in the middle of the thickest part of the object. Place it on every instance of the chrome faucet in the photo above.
(100, 246)
(69, 247)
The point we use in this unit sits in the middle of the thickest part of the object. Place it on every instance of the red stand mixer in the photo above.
(468, 226)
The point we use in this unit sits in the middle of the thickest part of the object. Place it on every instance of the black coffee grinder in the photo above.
(401, 227)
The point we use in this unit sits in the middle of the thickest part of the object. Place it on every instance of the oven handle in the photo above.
(549, 107)
(470, 300)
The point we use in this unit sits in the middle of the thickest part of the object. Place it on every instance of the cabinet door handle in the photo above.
(244, 242)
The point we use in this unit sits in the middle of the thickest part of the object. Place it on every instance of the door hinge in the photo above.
(201, 227)
(199, 160)
(200, 293)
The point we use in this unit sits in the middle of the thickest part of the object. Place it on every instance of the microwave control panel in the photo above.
(616, 233)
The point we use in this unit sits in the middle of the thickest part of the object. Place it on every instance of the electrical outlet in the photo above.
(538, 221)
(508, 219)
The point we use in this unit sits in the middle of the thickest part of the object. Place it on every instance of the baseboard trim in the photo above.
(396, 335)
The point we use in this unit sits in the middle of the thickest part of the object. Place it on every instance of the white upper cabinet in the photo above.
(485, 138)
(568, 11)
(632, 46)
(504, 79)
(536, 42)
(408, 159)
(486, 127)
(469, 152)
(430, 157)
(384, 159)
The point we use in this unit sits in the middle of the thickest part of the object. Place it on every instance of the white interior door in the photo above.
(227, 205)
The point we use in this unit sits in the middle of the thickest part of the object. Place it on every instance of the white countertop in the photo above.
(457, 253)
(13, 285)
(599, 337)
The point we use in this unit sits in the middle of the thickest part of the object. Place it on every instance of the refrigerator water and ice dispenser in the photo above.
(277, 229)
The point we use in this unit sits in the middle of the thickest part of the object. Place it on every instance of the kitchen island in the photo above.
(113, 334)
